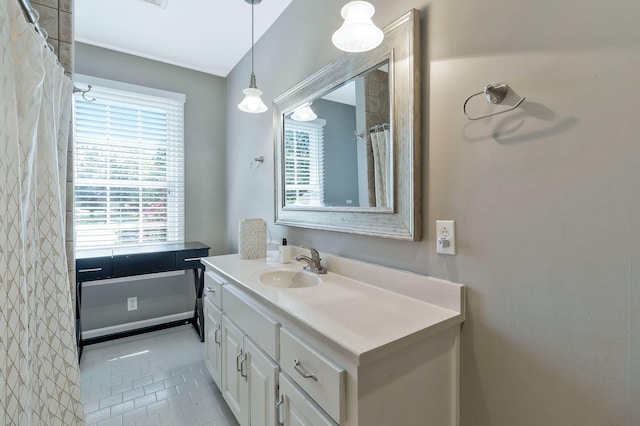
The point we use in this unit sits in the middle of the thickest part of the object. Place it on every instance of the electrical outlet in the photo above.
(132, 303)
(446, 236)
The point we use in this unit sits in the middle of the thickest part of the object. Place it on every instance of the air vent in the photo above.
(160, 3)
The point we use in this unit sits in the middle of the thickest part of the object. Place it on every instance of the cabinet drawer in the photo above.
(210, 308)
(95, 268)
(299, 409)
(213, 288)
(257, 324)
(190, 258)
(325, 381)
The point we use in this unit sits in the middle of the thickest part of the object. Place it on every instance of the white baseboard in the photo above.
(105, 331)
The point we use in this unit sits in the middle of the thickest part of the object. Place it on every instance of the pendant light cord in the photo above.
(252, 5)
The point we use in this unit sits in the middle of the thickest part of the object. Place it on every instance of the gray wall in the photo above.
(205, 188)
(340, 161)
(545, 199)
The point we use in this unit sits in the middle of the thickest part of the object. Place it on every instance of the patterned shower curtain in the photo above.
(39, 376)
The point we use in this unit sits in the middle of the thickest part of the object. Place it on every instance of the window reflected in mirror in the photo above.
(343, 157)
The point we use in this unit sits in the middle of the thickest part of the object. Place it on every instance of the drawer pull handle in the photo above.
(278, 405)
(242, 369)
(191, 259)
(211, 290)
(90, 270)
(238, 366)
(306, 375)
(215, 336)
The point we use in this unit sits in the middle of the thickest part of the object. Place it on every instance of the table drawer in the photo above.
(316, 374)
(95, 268)
(190, 258)
(254, 322)
(213, 288)
(143, 263)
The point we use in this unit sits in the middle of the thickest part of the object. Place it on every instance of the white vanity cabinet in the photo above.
(297, 408)
(249, 375)
(213, 340)
(234, 381)
(339, 353)
(213, 325)
(320, 377)
(262, 378)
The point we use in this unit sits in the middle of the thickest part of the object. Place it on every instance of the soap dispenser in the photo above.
(285, 252)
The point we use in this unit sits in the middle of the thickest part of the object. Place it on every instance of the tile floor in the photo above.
(154, 379)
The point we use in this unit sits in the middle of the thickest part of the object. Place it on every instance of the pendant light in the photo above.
(252, 101)
(358, 33)
(304, 113)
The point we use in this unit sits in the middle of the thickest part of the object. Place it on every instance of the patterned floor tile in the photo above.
(154, 379)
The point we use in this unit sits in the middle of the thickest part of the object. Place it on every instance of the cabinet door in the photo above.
(262, 374)
(213, 341)
(234, 386)
(298, 409)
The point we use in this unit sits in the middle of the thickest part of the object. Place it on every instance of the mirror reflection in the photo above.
(337, 147)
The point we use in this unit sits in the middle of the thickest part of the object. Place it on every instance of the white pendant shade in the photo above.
(252, 101)
(358, 33)
(304, 113)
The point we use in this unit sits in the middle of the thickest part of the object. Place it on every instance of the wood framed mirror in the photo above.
(347, 142)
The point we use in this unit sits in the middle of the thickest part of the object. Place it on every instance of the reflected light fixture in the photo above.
(358, 33)
(252, 101)
(304, 113)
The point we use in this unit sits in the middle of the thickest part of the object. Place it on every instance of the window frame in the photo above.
(315, 188)
(148, 101)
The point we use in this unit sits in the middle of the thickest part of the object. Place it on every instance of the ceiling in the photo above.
(204, 35)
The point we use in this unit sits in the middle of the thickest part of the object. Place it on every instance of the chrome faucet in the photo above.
(313, 262)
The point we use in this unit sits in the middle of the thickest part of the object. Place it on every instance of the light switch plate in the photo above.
(446, 232)
(132, 303)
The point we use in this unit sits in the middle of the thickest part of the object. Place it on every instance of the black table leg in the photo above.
(198, 311)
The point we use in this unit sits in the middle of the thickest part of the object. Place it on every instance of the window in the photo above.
(128, 165)
(304, 165)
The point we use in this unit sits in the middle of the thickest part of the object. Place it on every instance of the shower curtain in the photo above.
(381, 166)
(39, 376)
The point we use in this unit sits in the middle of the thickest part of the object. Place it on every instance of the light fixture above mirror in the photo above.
(252, 101)
(358, 33)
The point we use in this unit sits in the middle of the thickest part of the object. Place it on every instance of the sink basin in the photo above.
(288, 279)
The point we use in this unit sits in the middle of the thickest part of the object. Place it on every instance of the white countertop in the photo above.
(362, 318)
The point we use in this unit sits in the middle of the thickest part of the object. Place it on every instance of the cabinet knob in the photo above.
(211, 290)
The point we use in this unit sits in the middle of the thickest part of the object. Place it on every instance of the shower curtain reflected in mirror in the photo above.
(381, 166)
(39, 377)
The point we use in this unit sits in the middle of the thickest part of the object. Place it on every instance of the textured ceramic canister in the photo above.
(252, 239)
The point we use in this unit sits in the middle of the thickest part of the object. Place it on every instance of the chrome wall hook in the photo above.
(257, 162)
(495, 95)
(84, 92)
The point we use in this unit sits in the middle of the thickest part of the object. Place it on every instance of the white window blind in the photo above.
(304, 162)
(128, 166)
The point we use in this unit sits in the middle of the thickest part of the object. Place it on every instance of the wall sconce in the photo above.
(304, 113)
(358, 33)
(252, 101)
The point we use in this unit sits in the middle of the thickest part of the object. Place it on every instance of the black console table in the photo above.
(100, 264)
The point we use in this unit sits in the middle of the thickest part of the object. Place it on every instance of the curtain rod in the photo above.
(371, 129)
(33, 16)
